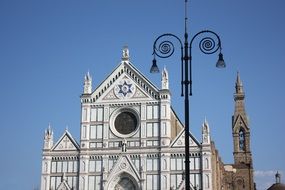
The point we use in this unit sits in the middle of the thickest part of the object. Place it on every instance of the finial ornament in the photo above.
(205, 132)
(48, 137)
(126, 54)
(87, 87)
(205, 127)
(49, 130)
(205, 121)
(164, 79)
(278, 177)
(88, 77)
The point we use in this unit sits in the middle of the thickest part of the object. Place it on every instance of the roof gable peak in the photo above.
(126, 69)
(180, 140)
(66, 142)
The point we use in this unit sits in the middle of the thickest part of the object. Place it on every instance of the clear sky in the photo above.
(46, 47)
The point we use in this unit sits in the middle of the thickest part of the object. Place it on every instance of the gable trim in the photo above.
(182, 132)
(66, 133)
(133, 73)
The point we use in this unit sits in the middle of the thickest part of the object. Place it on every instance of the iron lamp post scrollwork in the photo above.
(163, 47)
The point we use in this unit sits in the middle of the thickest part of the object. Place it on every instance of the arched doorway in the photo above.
(125, 183)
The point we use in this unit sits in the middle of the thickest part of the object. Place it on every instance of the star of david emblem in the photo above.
(125, 88)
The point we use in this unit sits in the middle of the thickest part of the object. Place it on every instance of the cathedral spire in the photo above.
(239, 87)
(239, 100)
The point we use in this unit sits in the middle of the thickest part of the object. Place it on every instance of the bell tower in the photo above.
(240, 130)
(241, 139)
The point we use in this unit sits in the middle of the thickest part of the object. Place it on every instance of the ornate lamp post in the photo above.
(163, 47)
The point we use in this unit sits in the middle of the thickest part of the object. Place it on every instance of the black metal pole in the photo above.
(186, 102)
(186, 108)
(164, 49)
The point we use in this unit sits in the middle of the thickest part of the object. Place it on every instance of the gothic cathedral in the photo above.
(131, 139)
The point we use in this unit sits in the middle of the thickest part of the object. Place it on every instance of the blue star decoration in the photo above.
(125, 88)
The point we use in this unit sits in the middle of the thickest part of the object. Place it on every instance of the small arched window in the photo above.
(241, 140)
(206, 163)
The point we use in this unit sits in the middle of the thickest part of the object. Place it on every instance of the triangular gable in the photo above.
(241, 119)
(123, 83)
(179, 141)
(124, 165)
(125, 88)
(63, 186)
(66, 142)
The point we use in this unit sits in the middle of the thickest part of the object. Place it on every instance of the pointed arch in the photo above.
(206, 163)
(123, 179)
(241, 136)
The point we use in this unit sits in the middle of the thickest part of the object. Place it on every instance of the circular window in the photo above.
(126, 123)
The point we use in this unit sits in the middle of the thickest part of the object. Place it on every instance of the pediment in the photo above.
(124, 165)
(66, 142)
(125, 83)
(125, 89)
(179, 141)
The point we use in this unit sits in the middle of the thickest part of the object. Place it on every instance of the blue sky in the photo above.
(46, 47)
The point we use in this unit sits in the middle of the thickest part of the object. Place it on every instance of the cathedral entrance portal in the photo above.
(125, 183)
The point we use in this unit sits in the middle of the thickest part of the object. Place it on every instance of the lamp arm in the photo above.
(209, 44)
(163, 47)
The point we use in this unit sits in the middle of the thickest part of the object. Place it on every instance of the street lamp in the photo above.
(163, 47)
